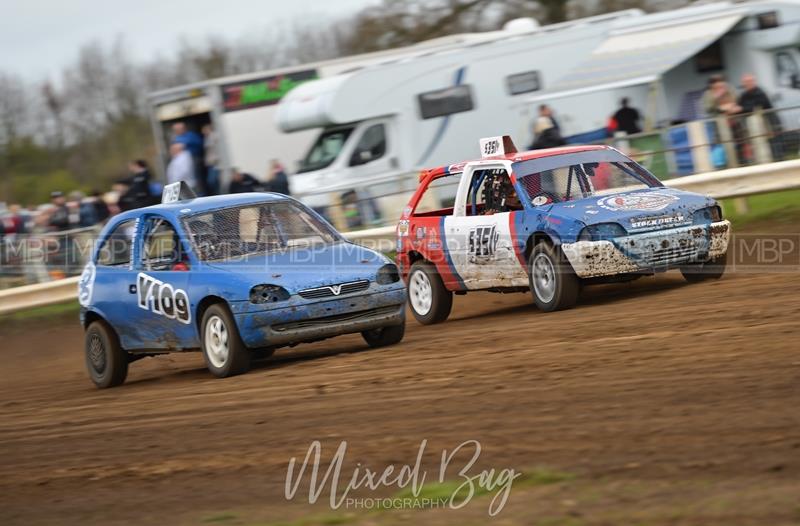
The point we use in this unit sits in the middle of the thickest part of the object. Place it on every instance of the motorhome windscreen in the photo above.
(563, 178)
(265, 227)
(325, 149)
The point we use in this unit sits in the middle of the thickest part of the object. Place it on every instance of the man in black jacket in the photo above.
(754, 99)
(243, 182)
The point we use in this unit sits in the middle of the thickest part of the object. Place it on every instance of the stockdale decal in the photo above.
(648, 202)
(658, 221)
(86, 284)
(163, 299)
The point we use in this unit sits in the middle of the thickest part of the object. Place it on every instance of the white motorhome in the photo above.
(387, 119)
(662, 62)
(242, 108)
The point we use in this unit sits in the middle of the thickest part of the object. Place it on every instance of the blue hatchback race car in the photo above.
(234, 276)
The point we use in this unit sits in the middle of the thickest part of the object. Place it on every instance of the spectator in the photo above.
(719, 99)
(211, 159)
(627, 118)
(243, 182)
(753, 97)
(59, 215)
(93, 210)
(137, 193)
(277, 180)
(191, 140)
(193, 143)
(547, 111)
(181, 167)
(546, 132)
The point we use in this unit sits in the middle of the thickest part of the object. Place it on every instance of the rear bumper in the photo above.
(323, 319)
(649, 251)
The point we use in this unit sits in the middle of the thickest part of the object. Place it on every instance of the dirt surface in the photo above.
(657, 402)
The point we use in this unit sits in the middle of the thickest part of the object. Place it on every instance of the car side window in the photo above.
(116, 248)
(162, 247)
(491, 192)
(371, 146)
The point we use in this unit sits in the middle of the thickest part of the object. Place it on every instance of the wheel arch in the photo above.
(204, 304)
(538, 237)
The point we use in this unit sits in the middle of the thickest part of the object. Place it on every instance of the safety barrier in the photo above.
(731, 183)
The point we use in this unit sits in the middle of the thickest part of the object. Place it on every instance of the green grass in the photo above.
(777, 206)
(57, 310)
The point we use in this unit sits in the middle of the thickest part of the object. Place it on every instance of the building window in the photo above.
(710, 59)
(523, 82)
(445, 101)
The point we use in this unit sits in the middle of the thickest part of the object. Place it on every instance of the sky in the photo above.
(38, 38)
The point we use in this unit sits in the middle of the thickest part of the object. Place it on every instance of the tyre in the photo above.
(714, 268)
(106, 361)
(223, 350)
(430, 301)
(384, 336)
(553, 283)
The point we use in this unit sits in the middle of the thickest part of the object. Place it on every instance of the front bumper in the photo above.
(311, 321)
(649, 251)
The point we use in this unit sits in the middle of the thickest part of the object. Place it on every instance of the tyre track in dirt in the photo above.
(671, 380)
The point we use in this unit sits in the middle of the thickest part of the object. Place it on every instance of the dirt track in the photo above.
(669, 403)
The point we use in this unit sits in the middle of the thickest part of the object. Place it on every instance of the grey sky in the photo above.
(39, 37)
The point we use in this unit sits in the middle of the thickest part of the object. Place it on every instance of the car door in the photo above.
(161, 286)
(107, 289)
(479, 233)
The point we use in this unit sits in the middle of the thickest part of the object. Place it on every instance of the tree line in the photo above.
(79, 129)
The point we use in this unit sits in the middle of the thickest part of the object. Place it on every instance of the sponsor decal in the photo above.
(658, 221)
(163, 299)
(539, 200)
(646, 201)
(86, 284)
(433, 241)
(402, 228)
(420, 232)
(483, 242)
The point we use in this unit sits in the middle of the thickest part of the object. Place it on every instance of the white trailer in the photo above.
(388, 119)
(662, 63)
(242, 107)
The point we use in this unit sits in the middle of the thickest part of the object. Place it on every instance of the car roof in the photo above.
(204, 204)
(515, 157)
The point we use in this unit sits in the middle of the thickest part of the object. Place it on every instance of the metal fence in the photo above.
(35, 258)
(701, 146)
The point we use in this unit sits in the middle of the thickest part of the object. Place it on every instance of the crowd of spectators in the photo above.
(193, 158)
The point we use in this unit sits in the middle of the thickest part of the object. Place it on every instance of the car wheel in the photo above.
(223, 350)
(430, 301)
(553, 283)
(106, 361)
(714, 268)
(385, 336)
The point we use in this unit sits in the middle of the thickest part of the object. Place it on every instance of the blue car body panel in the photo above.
(170, 318)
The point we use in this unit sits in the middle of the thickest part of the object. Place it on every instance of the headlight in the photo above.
(388, 274)
(268, 294)
(709, 214)
(602, 231)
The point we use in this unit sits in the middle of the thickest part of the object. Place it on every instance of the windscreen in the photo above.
(325, 149)
(564, 178)
(253, 229)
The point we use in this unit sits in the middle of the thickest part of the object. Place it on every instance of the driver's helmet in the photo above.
(496, 190)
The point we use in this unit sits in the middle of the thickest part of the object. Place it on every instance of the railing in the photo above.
(672, 153)
(736, 182)
(35, 258)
